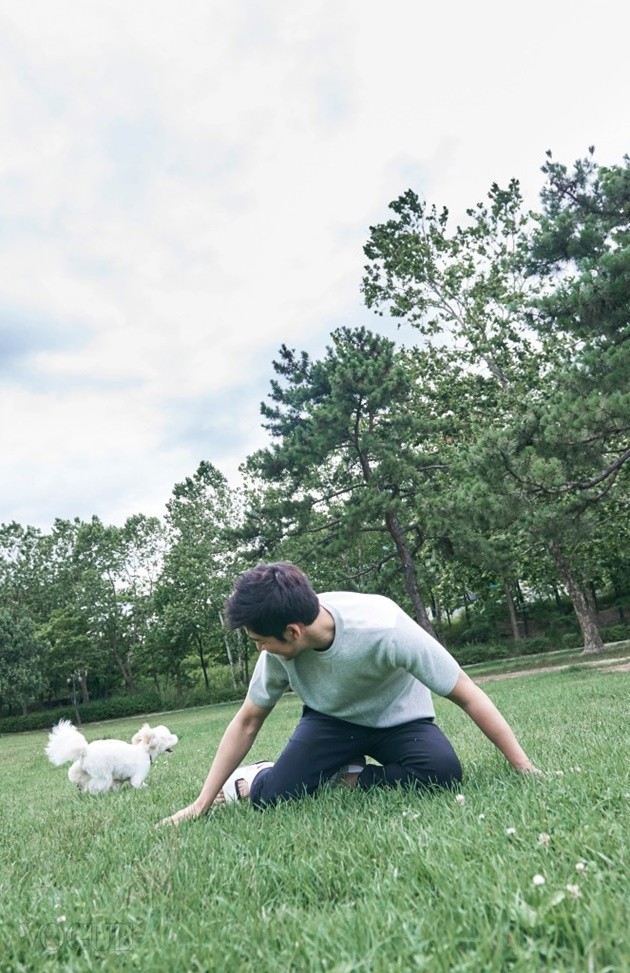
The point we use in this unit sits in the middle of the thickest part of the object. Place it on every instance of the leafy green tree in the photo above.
(571, 455)
(467, 286)
(98, 561)
(201, 515)
(144, 544)
(22, 660)
(351, 452)
(109, 574)
(475, 286)
(34, 580)
(581, 253)
(103, 579)
(25, 571)
(72, 651)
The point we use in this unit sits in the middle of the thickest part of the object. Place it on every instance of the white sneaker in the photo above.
(243, 775)
(353, 768)
(357, 765)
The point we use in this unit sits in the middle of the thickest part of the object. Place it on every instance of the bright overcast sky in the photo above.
(186, 184)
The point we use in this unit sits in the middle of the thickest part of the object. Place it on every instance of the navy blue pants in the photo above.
(411, 754)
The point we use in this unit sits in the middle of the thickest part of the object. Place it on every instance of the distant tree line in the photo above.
(486, 465)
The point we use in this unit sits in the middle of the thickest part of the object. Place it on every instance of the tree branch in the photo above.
(571, 485)
(587, 484)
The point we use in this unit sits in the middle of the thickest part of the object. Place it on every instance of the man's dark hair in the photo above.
(269, 597)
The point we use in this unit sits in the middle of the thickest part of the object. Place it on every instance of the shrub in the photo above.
(42, 720)
(215, 694)
(469, 653)
(107, 709)
(480, 631)
(535, 645)
(221, 690)
(616, 633)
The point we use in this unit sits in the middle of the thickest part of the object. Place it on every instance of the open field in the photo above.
(344, 882)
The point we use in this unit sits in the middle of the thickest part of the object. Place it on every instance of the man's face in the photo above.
(288, 649)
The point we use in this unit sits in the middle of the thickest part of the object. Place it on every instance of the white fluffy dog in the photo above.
(105, 764)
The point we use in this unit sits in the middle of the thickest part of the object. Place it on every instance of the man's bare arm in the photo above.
(235, 744)
(484, 713)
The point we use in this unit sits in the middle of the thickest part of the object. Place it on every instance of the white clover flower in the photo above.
(574, 891)
(460, 798)
(544, 839)
(538, 880)
(559, 773)
(482, 817)
(510, 831)
(580, 867)
(61, 918)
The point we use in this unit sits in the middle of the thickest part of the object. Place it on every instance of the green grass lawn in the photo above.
(346, 881)
(617, 651)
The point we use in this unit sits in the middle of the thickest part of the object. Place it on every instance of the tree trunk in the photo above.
(618, 601)
(436, 607)
(230, 659)
(585, 612)
(561, 603)
(228, 650)
(393, 525)
(123, 664)
(511, 610)
(125, 668)
(83, 674)
(523, 606)
(409, 572)
(203, 663)
(243, 658)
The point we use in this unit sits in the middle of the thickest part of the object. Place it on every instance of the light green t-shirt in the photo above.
(378, 671)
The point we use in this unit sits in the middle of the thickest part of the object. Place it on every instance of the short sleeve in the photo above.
(269, 681)
(413, 649)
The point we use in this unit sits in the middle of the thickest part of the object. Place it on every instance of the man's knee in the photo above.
(267, 791)
(453, 770)
(447, 773)
(257, 797)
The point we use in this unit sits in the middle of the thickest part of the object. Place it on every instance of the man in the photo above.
(364, 671)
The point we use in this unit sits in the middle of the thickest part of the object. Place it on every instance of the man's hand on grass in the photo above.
(529, 768)
(186, 814)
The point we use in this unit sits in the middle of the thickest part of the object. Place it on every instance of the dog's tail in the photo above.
(65, 743)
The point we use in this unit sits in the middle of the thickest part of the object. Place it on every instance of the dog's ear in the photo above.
(144, 735)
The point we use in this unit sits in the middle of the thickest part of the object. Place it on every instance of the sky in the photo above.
(186, 185)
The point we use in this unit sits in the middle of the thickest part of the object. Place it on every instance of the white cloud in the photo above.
(185, 186)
